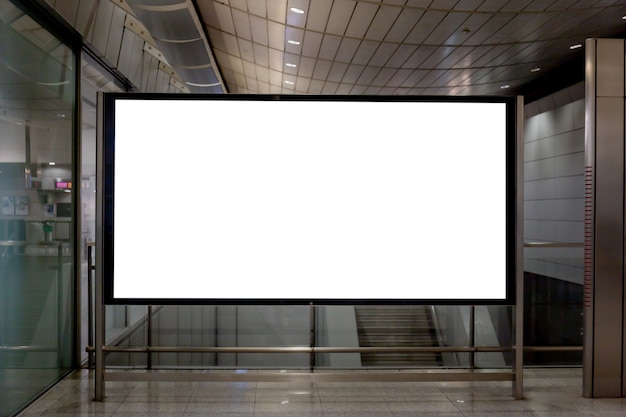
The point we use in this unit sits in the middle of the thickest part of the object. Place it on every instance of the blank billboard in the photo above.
(308, 199)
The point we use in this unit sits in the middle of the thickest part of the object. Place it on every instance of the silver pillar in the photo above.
(99, 313)
(604, 307)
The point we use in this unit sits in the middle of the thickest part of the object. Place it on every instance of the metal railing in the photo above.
(312, 349)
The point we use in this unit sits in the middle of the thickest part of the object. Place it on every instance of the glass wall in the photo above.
(37, 90)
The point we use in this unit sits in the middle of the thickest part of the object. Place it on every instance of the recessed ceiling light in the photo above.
(623, 17)
(296, 10)
(576, 46)
(505, 86)
(52, 163)
(536, 69)
(289, 82)
(201, 84)
(291, 41)
(290, 65)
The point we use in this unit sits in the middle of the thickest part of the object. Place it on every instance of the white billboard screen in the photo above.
(249, 200)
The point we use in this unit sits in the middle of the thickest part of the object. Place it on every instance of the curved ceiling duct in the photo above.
(178, 32)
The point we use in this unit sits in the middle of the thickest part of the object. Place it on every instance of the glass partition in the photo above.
(37, 213)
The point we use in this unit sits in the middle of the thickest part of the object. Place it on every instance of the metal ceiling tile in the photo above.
(311, 43)
(322, 67)
(340, 16)
(232, 45)
(437, 56)
(264, 87)
(330, 88)
(414, 78)
(368, 75)
(365, 52)
(430, 78)
(246, 50)
(347, 49)
(208, 13)
(383, 53)
(276, 59)
(467, 5)
(443, 4)
(262, 74)
(257, 7)
(258, 28)
(400, 55)
(293, 40)
(294, 15)
(242, 24)
(239, 4)
(515, 28)
(291, 62)
(399, 77)
(343, 89)
(361, 19)
(352, 74)
(252, 84)
(451, 24)
(539, 5)
(306, 67)
(494, 24)
(277, 10)
(328, 48)
(224, 18)
(249, 69)
(302, 84)
(315, 87)
(470, 25)
(457, 55)
(420, 55)
(428, 22)
(515, 6)
(276, 78)
(382, 23)
(492, 5)
(383, 76)
(337, 71)
(276, 35)
(317, 17)
(404, 24)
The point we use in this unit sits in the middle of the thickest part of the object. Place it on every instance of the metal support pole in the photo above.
(90, 268)
(312, 341)
(472, 336)
(99, 313)
(149, 338)
(518, 308)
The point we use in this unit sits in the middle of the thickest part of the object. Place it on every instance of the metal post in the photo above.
(90, 311)
(518, 308)
(312, 336)
(60, 305)
(149, 338)
(99, 313)
(590, 124)
(472, 336)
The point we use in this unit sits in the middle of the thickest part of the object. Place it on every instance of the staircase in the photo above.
(397, 326)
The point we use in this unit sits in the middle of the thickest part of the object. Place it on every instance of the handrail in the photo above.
(25, 348)
(308, 349)
(554, 244)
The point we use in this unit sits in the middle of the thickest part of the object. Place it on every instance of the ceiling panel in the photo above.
(399, 46)
(360, 20)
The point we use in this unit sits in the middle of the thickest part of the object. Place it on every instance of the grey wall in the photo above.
(554, 141)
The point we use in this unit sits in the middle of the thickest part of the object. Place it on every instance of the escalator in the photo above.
(397, 326)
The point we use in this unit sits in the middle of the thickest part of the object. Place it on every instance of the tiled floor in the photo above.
(548, 392)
